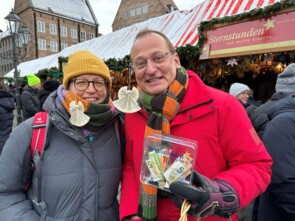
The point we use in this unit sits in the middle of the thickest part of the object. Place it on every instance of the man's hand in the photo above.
(207, 197)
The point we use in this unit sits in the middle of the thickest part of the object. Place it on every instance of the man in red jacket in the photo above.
(232, 166)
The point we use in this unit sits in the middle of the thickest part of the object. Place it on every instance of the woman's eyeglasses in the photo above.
(82, 85)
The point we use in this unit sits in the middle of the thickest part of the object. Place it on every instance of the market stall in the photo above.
(258, 43)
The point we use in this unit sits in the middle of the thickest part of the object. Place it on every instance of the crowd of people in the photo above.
(273, 122)
(91, 166)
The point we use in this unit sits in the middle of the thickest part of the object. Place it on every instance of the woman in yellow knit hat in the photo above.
(81, 164)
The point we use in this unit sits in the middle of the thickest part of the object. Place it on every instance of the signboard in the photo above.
(271, 34)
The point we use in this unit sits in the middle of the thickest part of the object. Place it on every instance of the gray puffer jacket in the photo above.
(80, 179)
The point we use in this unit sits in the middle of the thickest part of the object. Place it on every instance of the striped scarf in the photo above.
(162, 110)
(99, 114)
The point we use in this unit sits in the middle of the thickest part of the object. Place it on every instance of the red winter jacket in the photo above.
(228, 148)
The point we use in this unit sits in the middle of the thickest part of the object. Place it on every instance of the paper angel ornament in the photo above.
(127, 98)
(127, 101)
(78, 118)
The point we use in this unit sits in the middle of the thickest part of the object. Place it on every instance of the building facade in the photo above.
(54, 25)
(131, 12)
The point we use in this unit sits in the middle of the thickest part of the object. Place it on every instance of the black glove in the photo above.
(207, 197)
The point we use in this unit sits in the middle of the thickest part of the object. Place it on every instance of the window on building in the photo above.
(132, 12)
(53, 46)
(83, 36)
(52, 29)
(74, 33)
(127, 14)
(138, 11)
(42, 45)
(64, 45)
(91, 35)
(41, 26)
(63, 31)
(170, 7)
(145, 9)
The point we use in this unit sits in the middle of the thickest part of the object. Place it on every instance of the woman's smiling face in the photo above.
(89, 87)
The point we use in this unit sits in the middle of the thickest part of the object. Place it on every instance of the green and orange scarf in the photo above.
(162, 109)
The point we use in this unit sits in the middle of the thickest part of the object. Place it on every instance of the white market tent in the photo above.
(181, 27)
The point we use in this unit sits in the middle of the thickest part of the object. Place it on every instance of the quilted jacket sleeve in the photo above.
(14, 176)
(259, 120)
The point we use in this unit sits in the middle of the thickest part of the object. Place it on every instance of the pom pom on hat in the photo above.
(237, 88)
(84, 62)
(286, 80)
(33, 80)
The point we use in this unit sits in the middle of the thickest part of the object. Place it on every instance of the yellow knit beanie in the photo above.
(33, 80)
(84, 62)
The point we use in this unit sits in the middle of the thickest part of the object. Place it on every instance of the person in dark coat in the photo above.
(6, 114)
(285, 85)
(48, 87)
(29, 97)
(261, 116)
(278, 201)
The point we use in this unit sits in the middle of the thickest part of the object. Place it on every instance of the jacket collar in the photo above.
(197, 93)
(197, 101)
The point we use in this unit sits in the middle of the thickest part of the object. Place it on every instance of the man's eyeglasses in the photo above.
(82, 85)
(157, 60)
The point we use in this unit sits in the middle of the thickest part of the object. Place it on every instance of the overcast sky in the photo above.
(105, 11)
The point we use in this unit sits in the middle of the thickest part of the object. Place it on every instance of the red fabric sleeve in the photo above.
(249, 164)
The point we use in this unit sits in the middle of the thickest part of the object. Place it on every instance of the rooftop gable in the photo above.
(75, 9)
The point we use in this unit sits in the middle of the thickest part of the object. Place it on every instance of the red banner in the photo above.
(270, 34)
